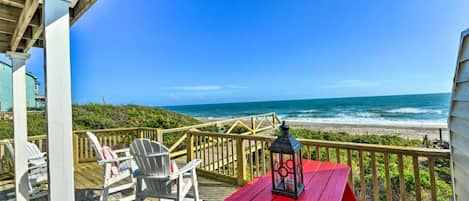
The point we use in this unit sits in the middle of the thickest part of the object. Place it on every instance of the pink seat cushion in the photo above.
(109, 154)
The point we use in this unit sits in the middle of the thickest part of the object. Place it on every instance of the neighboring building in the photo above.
(6, 91)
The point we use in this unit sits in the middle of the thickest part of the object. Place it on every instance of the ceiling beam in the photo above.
(13, 3)
(81, 7)
(8, 13)
(37, 32)
(25, 18)
(7, 28)
(12, 14)
(21, 45)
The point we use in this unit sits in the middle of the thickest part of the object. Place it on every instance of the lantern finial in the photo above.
(284, 128)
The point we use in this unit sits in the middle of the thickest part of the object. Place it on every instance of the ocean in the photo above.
(420, 109)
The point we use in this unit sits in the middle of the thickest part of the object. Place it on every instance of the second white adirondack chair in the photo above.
(153, 161)
(116, 171)
(37, 174)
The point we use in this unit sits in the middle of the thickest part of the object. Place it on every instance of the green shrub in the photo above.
(98, 116)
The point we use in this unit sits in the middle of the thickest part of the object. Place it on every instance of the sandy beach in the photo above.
(409, 131)
(406, 131)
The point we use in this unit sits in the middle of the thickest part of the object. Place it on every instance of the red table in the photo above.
(324, 181)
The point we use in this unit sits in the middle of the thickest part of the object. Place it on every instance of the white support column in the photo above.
(20, 132)
(58, 99)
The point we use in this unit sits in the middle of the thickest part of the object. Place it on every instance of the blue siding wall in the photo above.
(6, 88)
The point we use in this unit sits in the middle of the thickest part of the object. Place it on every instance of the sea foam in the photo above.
(372, 121)
(412, 110)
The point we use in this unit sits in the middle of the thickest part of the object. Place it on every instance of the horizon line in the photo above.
(299, 99)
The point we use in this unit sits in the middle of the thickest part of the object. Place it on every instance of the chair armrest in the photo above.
(188, 167)
(139, 175)
(153, 155)
(101, 162)
(37, 166)
(39, 157)
(126, 150)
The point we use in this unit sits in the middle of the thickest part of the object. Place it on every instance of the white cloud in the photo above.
(198, 88)
(236, 87)
(352, 84)
(207, 87)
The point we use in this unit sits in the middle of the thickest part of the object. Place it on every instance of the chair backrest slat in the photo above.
(96, 145)
(10, 149)
(34, 152)
(156, 165)
(31, 149)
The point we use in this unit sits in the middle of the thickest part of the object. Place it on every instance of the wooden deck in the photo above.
(88, 177)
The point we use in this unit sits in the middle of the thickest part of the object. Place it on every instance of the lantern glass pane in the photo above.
(276, 161)
(278, 181)
(275, 168)
(298, 170)
(287, 172)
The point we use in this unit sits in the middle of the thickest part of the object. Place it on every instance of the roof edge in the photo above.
(465, 32)
(27, 72)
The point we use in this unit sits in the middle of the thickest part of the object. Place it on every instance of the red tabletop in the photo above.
(324, 181)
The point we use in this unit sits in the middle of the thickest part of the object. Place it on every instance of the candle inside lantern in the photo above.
(289, 185)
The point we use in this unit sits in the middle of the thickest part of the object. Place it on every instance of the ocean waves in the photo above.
(427, 109)
(412, 110)
(351, 115)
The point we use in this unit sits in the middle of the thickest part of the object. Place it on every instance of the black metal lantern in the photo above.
(286, 164)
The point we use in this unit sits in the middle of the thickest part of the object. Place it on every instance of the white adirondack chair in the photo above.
(37, 174)
(114, 182)
(153, 161)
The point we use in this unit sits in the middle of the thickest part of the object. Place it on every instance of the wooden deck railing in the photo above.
(115, 138)
(235, 154)
(121, 137)
(239, 159)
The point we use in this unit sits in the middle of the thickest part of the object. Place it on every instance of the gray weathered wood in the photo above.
(153, 159)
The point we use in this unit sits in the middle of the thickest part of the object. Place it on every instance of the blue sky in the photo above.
(171, 52)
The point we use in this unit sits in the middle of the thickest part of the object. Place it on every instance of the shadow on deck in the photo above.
(88, 178)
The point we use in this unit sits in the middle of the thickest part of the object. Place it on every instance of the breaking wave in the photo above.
(412, 110)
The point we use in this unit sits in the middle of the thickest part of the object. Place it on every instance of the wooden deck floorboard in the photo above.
(88, 178)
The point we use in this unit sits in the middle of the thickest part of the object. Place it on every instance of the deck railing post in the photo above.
(190, 147)
(441, 136)
(75, 149)
(159, 135)
(240, 161)
(139, 133)
(253, 125)
(274, 120)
